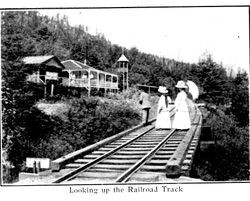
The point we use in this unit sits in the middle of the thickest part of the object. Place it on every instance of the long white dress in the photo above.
(163, 116)
(181, 118)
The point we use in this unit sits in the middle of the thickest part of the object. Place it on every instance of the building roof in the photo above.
(76, 65)
(38, 60)
(123, 58)
(71, 65)
(84, 65)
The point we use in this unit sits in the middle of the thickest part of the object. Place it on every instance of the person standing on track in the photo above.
(182, 118)
(163, 115)
(145, 103)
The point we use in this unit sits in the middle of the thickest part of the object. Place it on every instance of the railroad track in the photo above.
(120, 160)
(134, 156)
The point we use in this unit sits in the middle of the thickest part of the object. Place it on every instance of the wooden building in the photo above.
(48, 70)
(39, 69)
(44, 70)
(77, 74)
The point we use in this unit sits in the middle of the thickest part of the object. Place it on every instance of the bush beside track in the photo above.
(81, 122)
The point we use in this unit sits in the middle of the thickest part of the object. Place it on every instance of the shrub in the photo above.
(92, 119)
(29, 132)
(132, 97)
(229, 158)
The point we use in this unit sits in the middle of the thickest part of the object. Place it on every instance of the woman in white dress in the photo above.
(182, 118)
(163, 116)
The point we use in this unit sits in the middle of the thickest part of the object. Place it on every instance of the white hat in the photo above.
(181, 84)
(162, 90)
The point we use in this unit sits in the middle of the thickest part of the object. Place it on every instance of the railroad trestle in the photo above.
(139, 154)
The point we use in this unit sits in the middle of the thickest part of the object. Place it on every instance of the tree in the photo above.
(132, 55)
(16, 42)
(228, 158)
(17, 102)
(170, 84)
(213, 79)
(139, 74)
(27, 33)
(137, 78)
(240, 99)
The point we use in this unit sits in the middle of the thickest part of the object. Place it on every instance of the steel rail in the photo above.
(84, 167)
(128, 173)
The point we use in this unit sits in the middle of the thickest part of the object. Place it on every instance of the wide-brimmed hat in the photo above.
(181, 84)
(162, 90)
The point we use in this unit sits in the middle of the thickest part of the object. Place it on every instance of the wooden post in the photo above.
(89, 82)
(38, 166)
(34, 167)
(117, 83)
(123, 82)
(45, 87)
(69, 78)
(38, 76)
(98, 81)
(127, 76)
(105, 84)
(52, 90)
(111, 83)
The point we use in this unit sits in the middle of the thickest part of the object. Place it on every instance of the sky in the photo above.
(183, 34)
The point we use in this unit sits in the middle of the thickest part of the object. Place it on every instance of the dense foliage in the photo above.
(29, 132)
(228, 159)
(240, 99)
